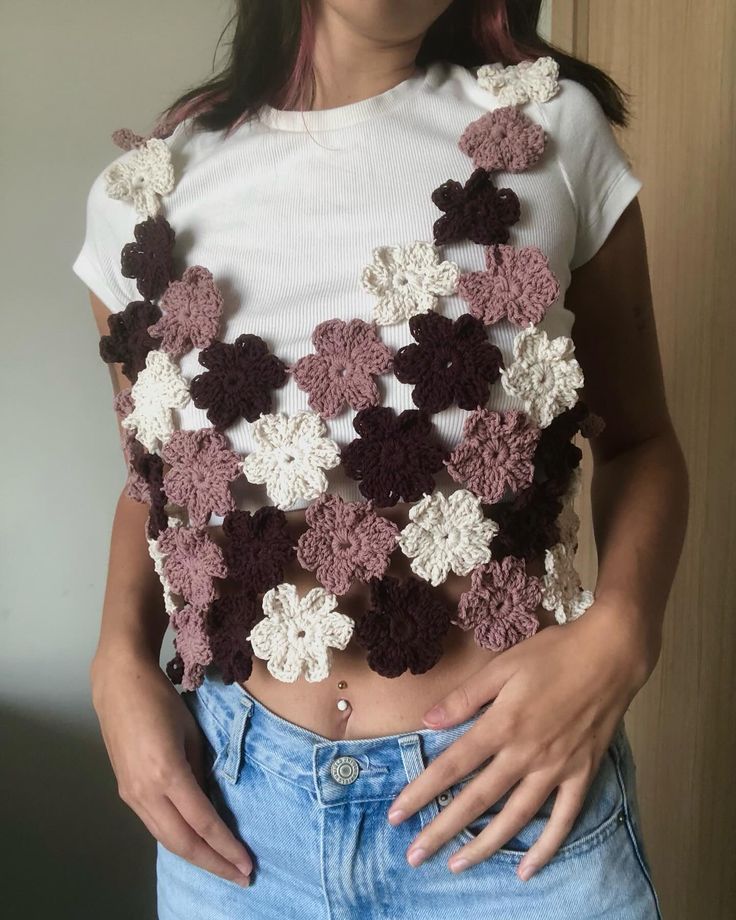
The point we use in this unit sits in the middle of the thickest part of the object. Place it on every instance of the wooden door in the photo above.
(678, 59)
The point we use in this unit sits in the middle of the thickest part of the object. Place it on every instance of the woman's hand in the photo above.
(155, 748)
(557, 700)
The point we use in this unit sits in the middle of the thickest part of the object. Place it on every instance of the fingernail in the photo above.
(527, 871)
(396, 815)
(435, 714)
(245, 868)
(457, 865)
(416, 856)
(244, 883)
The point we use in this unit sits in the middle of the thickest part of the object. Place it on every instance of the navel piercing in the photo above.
(342, 705)
(342, 684)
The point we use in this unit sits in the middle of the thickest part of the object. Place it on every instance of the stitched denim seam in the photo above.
(215, 718)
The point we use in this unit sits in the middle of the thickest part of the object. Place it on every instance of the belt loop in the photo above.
(411, 755)
(236, 743)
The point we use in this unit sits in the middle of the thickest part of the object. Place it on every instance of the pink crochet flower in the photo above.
(192, 645)
(345, 541)
(517, 285)
(192, 310)
(136, 486)
(202, 468)
(192, 562)
(347, 357)
(500, 605)
(496, 453)
(504, 139)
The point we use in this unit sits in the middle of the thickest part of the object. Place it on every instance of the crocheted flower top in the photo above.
(343, 310)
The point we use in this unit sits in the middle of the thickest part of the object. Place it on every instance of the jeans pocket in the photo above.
(214, 734)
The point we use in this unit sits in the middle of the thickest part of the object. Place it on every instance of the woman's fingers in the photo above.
(568, 804)
(200, 814)
(467, 698)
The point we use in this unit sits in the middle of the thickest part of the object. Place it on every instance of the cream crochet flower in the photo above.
(142, 177)
(296, 634)
(291, 456)
(447, 534)
(562, 591)
(525, 82)
(159, 389)
(567, 521)
(544, 374)
(407, 280)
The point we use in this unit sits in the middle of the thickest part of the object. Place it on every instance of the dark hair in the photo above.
(270, 58)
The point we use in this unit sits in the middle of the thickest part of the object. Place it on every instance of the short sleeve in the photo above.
(109, 226)
(597, 171)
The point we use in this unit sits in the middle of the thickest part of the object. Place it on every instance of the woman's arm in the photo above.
(559, 696)
(154, 743)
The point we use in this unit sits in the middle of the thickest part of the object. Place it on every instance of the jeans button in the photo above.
(344, 770)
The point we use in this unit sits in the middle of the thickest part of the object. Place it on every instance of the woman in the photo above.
(350, 445)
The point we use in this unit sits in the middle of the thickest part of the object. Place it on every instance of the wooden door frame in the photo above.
(570, 26)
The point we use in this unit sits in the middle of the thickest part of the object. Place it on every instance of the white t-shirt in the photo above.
(287, 210)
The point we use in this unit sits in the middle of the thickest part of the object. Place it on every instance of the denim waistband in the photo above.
(306, 758)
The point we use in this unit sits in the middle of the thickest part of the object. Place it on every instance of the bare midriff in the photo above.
(372, 705)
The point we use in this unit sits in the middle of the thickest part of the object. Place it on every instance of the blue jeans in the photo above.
(324, 850)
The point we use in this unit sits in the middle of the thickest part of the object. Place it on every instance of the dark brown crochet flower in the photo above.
(404, 628)
(228, 621)
(476, 211)
(257, 547)
(150, 467)
(149, 259)
(451, 362)
(557, 455)
(175, 669)
(129, 341)
(395, 457)
(238, 381)
(528, 523)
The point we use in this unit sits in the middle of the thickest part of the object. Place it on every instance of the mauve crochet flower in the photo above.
(192, 645)
(129, 341)
(404, 628)
(341, 372)
(495, 454)
(476, 211)
(345, 541)
(517, 285)
(192, 310)
(192, 562)
(500, 605)
(149, 259)
(202, 468)
(136, 487)
(529, 523)
(238, 380)
(257, 547)
(504, 139)
(451, 362)
(395, 457)
(229, 620)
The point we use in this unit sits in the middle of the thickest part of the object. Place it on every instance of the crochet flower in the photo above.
(394, 458)
(447, 535)
(149, 259)
(150, 470)
(192, 645)
(229, 620)
(192, 310)
(568, 522)
(562, 590)
(557, 455)
(504, 139)
(345, 541)
(192, 562)
(529, 81)
(496, 453)
(297, 634)
(516, 285)
(451, 362)
(257, 547)
(500, 605)
(544, 374)
(348, 355)
(158, 558)
(407, 280)
(158, 390)
(404, 628)
(202, 468)
(143, 177)
(529, 522)
(136, 488)
(129, 341)
(238, 380)
(291, 457)
(477, 211)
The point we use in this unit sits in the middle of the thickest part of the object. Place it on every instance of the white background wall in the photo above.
(70, 72)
